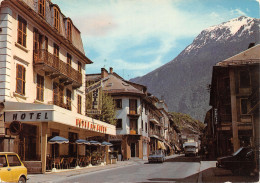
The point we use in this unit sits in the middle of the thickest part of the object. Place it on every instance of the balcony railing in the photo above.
(136, 132)
(153, 132)
(57, 68)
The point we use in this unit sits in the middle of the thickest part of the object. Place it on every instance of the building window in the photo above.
(118, 103)
(20, 79)
(146, 127)
(69, 28)
(56, 19)
(41, 7)
(244, 79)
(243, 106)
(142, 125)
(22, 24)
(119, 124)
(46, 43)
(40, 88)
(68, 99)
(79, 104)
(56, 49)
(69, 58)
(133, 106)
(58, 94)
(79, 67)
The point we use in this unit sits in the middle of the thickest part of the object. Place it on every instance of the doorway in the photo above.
(133, 150)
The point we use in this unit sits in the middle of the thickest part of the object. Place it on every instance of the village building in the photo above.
(233, 121)
(42, 83)
(142, 119)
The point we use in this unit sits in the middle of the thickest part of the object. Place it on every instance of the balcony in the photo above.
(135, 132)
(155, 133)
(154, 119)
(55, 68)
(133, 113)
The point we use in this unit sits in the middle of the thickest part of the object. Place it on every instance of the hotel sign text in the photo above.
(28, 116)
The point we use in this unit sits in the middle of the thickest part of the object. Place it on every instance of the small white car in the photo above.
(157, 156)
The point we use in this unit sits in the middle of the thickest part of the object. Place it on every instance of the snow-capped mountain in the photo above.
(183, 81)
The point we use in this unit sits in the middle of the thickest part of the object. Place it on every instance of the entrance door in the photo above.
(132, 149)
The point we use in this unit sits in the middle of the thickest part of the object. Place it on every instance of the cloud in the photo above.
(121, 31)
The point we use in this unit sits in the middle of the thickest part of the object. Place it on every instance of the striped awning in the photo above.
(161, 145)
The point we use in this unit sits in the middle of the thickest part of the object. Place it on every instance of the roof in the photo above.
(249, 56)
(114, 85)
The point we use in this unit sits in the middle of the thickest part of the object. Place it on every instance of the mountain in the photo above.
(183, 81)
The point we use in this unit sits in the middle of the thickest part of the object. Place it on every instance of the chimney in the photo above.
(111, 70)
(104, 73)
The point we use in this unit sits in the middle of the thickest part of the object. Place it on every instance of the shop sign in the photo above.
(28, 116)
(115, 137)
(90, 126)
(93, 111)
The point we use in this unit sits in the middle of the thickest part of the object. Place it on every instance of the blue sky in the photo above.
(137, 36)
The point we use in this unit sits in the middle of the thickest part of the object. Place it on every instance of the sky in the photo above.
(137, 36)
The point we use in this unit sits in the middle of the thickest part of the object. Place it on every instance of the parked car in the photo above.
(11, 168)
(156, 157)
(240, 162)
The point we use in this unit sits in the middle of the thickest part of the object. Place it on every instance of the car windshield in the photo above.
(240, 151)
(157, 152)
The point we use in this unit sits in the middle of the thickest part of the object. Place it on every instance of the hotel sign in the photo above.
(93, 87)
(28, 116)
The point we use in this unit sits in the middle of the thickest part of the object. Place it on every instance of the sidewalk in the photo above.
(210, 173)
(61, 174)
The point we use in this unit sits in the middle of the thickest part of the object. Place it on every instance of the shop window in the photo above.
(79, 104)
(69, 28)
(244, 79)
(40, 88)
(243, 106)
(20, 79)
(56, 19)
(56, 49)
(133, 106)
(22, 24)
(55, 150)
(118, 103)
(119, 124)
(41, 7)
(68, 99)
(69, 58)
(79, 67)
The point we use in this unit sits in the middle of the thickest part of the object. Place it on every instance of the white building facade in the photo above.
(42, 88)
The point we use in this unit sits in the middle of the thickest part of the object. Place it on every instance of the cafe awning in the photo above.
(161, 145)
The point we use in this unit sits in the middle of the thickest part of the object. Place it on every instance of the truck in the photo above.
(191, 148)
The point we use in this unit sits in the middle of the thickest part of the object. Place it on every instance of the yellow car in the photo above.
(11, 168)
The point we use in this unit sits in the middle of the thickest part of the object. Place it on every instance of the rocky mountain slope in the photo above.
(183, 81)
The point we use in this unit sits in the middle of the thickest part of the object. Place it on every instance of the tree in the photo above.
(107, 107)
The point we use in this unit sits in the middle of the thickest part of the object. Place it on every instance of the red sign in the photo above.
(90, 126)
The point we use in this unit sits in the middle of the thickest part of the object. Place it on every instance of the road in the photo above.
(178, 169)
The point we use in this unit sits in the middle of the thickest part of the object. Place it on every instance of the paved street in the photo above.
(177, 168)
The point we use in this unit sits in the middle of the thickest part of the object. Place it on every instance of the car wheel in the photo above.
(22, 180)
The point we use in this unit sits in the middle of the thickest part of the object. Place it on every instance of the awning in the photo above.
(177, 147)
(161, 145)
